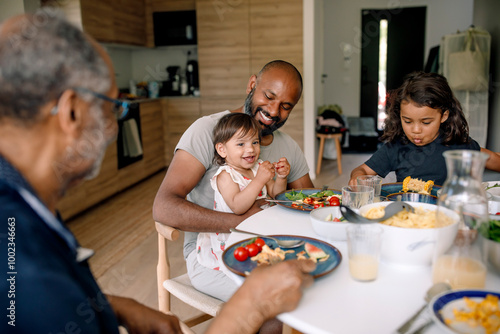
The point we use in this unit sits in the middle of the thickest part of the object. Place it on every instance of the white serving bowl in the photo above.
(414, 246)
(328, 229)
(493, 208)
(494, 192)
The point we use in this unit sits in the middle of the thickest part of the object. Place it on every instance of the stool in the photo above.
(336, 137)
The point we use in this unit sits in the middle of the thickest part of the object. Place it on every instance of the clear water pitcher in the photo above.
(463, 265)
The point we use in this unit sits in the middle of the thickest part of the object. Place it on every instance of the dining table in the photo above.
(336, 303)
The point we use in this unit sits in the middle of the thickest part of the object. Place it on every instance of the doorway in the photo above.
(393, 45)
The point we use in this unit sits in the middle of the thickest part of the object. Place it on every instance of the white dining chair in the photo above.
(180, 286)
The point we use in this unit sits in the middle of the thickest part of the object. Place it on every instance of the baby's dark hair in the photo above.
(228, 126)
(426, 90)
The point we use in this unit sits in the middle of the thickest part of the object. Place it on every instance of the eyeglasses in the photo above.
(120, 108)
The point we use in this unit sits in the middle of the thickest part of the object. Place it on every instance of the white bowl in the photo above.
(328, 229)
(494, 192)
(415, 246)
(493, 208)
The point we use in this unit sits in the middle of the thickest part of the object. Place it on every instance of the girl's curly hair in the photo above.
(426, 90)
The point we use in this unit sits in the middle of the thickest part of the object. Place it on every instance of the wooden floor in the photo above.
(121, 231)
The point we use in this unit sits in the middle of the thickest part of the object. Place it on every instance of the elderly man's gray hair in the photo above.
(42, 55)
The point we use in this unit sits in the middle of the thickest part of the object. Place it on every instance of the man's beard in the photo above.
(266, 129)
(91, 146)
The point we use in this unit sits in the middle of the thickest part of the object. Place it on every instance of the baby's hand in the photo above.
(282, 168)
(265, 171)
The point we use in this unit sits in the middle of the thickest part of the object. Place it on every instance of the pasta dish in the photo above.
(421, 218)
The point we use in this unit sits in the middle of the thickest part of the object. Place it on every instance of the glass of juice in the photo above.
(363, 248)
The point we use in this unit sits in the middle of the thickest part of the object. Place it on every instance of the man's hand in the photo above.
(139, 319)
(267, 292)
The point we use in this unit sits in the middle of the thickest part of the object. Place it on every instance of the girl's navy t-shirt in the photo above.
(422, 162)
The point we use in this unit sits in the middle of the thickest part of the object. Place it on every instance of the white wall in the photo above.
(343, 25)
(486, 17)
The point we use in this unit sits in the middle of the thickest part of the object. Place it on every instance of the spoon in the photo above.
(292, 243)
(389, 211)
(433, 291)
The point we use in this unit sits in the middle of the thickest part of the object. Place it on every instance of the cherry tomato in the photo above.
(240, 254)
(295, 205)
(252, 249)
(259, 242)
(334, 201)
(498, 213)
(335, 220)
(319, 205)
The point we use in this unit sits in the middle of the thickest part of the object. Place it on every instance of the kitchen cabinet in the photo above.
(111, 180)
(235, 39)
(178, 114)
(117, 21)
(223, 48)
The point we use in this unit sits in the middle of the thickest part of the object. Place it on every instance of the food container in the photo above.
(415, 246)
(493, 192)
(412, 197)
(328, 229)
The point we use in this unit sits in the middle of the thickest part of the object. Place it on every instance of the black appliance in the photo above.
(175, 28)
(192, 75)
(171, 87)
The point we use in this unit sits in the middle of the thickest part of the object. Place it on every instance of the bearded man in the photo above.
(185, 198)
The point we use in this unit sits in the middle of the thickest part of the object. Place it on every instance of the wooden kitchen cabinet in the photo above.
(108, 21)
(111, 180)
(178, 114)
(237, 38)
(223, 47)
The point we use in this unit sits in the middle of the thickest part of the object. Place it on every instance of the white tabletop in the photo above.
(338, 304)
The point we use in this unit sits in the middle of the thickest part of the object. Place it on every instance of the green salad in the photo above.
(296, 196)
(492, 231)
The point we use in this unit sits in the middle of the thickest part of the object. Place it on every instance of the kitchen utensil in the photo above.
(390, 210)
(422, 328)
(433, 291)
(292, 243)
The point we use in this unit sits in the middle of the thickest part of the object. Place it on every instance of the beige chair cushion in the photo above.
(181, 288)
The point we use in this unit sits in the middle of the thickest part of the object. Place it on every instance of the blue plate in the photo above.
(441, 307)
(392, 188)
(322, 268)
(305, 191)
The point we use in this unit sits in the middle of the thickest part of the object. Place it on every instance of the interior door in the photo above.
(405, 51)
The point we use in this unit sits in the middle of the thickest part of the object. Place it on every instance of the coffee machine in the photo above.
(192, 75)
(171, 87)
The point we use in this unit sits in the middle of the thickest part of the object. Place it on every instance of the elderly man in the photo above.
(185, 198)
(57, 115)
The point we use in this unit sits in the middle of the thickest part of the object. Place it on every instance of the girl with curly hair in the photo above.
(424, 119)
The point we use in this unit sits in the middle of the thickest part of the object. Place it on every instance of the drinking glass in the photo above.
(363, 247)
(374, 181)
(357, 196)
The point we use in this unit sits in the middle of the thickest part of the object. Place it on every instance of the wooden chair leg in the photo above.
(289, 330)
(320, 154)
(339, 154)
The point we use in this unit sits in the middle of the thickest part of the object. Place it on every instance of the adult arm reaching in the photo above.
(267, 292)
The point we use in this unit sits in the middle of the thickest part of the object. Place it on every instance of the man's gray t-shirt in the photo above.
(197, 141)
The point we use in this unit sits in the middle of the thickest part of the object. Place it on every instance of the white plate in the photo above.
(441, 307)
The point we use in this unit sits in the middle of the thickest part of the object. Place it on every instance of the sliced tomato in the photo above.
(335, 220)
(334, 201)
(319, 205)
(295, 205)
(308, 200)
